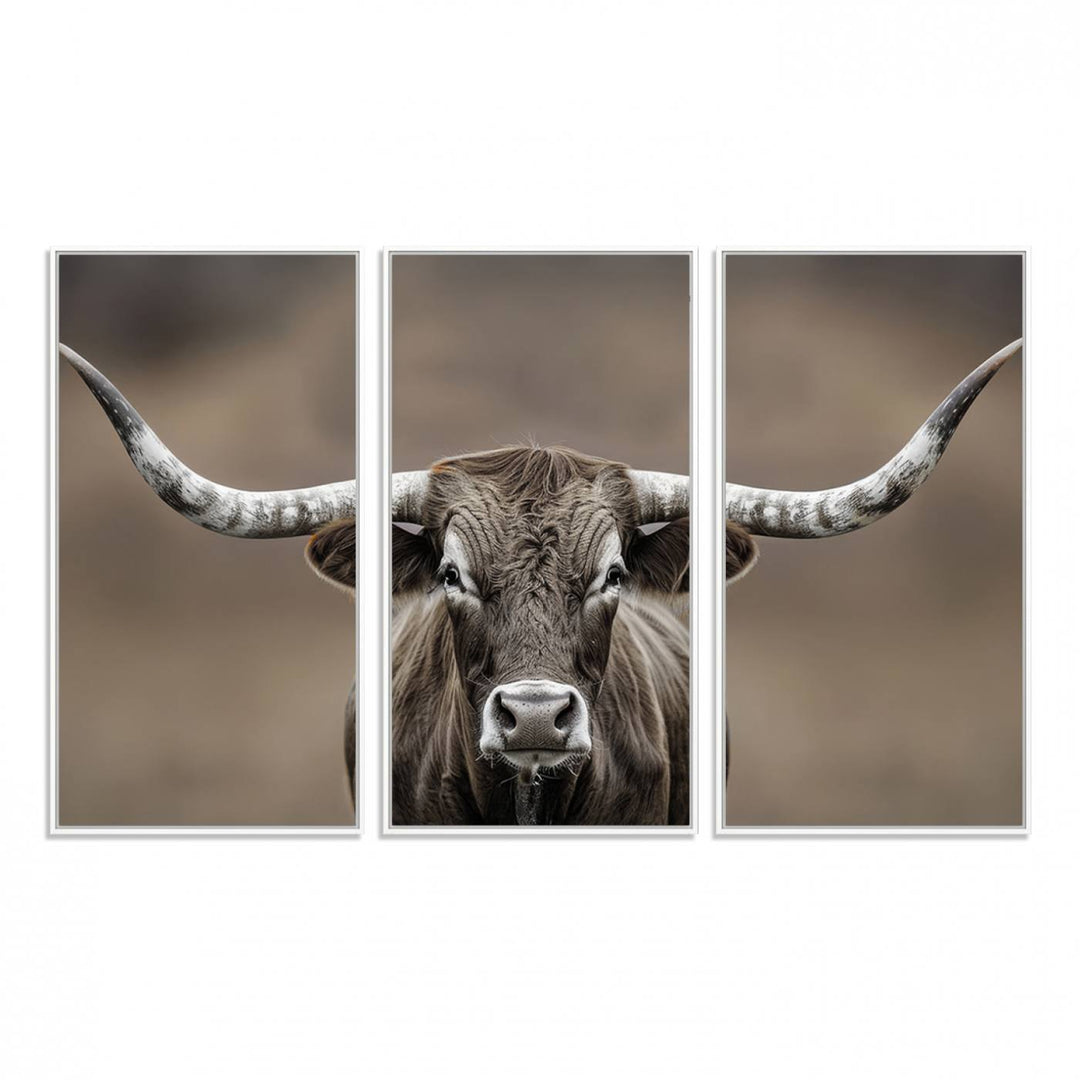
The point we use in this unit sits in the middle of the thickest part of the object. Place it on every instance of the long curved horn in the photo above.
(251, 514)
(661, 496)
(814, 514)
(407, 499)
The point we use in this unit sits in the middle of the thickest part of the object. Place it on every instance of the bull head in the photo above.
(805, 515)
(531, 551)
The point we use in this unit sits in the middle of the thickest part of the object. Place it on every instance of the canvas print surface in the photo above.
(204, 672)
(874, 540)
(540, 539)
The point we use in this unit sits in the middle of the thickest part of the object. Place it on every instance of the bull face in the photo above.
(532, 623)
(531, 552)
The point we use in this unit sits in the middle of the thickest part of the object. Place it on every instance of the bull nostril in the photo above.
(565, 717)
(507, 720)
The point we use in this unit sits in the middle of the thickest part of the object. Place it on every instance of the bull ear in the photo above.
(660, 560)
(331, 553)
(741, 552)
(414, 560)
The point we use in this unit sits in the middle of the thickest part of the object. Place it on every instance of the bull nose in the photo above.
(535, 714)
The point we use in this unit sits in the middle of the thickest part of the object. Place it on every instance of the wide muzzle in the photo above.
(535, 722)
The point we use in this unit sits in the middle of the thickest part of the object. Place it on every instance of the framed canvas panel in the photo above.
(874, 675)
(538, 558)
(202, 675)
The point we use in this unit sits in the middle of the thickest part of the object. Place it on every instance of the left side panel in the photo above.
(202, 675)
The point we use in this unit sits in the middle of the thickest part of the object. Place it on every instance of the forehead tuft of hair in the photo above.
(530, 470)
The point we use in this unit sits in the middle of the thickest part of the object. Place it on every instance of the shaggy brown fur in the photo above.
(533, 522)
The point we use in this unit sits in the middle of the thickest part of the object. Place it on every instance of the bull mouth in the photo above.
(538, 757)
(533, 763)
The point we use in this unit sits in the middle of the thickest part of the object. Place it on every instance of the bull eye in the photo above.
(614, 577)
(450, 577)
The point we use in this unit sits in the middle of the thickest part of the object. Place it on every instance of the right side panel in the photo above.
(874, 649)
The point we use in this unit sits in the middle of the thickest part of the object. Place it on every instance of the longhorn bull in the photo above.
(540, 670)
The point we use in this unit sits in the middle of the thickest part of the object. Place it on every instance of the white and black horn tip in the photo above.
(815, 514)
(226, 510)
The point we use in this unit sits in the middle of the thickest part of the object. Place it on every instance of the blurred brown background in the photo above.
(586, 351)
(202, 678)
(876, 678)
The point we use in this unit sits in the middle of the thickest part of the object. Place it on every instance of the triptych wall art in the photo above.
(542, 577)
